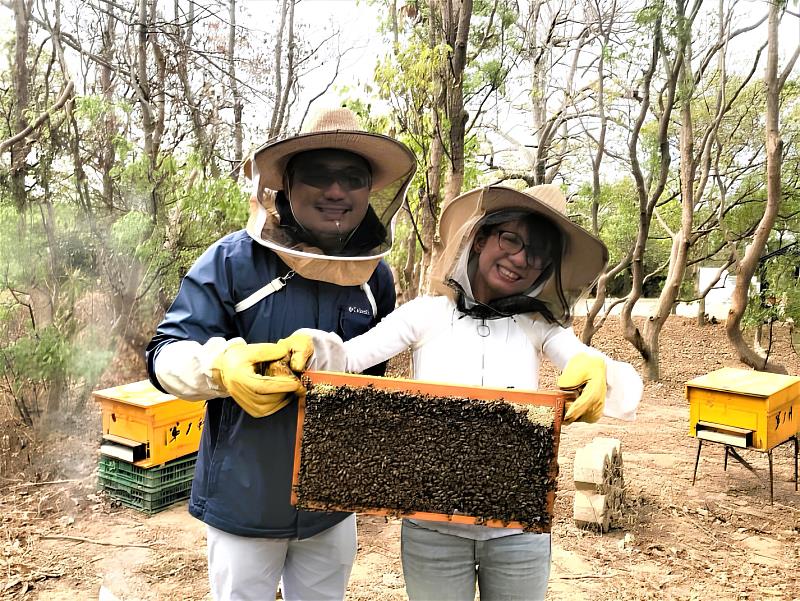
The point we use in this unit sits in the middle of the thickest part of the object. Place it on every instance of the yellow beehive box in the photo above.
(763, 406)
(147, 427)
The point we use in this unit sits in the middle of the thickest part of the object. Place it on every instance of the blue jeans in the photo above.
(443, 567)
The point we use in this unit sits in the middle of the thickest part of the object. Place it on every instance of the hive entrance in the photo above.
(436, 456)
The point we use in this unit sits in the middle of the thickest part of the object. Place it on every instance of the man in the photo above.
(310, 256)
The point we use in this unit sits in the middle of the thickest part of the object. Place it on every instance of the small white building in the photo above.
(718, 299)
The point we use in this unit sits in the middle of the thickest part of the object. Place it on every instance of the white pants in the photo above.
(241, 568)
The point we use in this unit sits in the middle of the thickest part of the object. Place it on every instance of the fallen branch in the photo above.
(80, 539)
(24, 484)
(582, 576)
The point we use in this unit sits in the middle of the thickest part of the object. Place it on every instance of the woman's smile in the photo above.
(508, 274)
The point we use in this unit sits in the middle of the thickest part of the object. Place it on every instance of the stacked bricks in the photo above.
(599, 485)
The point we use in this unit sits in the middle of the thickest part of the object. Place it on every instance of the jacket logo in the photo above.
(358, 310)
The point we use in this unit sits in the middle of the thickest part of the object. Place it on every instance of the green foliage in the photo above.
(472, 172)
(649, 13)
(89, 356)
(410, 73)
(130, 232)
(12, 246)
(781, 285)
(618, 215)
(102, 122)
(618, 221)
(49, 355)
(40, 355)
(65, 253)
(411, 78)
(31, 258)
(200, 210)
(764, 310)
(91, 108)
(491, 73)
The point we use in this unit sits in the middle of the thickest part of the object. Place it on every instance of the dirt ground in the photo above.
(60, 539)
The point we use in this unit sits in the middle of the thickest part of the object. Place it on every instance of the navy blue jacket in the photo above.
(242, 481)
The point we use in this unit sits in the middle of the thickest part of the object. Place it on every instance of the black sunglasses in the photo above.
(350, 178)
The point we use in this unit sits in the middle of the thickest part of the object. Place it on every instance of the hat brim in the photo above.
(389, 159)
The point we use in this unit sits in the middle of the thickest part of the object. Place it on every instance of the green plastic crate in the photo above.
(147, 489)
(145, 500)
(151, 479)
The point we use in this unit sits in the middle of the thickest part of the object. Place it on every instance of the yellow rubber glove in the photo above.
(588, 373)
(238, 369)
(300, 348)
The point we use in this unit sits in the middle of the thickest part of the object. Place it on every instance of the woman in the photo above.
(511, 269)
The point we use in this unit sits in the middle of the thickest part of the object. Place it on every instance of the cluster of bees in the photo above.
(365, 448)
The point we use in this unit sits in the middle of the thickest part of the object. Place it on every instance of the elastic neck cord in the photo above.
(476, 309)
(503, 307)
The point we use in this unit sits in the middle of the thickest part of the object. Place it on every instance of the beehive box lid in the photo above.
(339, 466)
(140, 394)
(744, 381)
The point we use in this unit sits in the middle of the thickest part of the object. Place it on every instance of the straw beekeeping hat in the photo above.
(583, 258)
(336, 128)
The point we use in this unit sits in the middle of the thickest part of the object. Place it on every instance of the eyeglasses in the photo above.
(511, 243)
(350, 178)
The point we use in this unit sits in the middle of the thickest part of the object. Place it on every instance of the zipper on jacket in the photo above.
(483, 332)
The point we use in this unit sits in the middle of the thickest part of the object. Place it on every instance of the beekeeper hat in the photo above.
(335, 128)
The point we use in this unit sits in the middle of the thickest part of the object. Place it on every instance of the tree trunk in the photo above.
(410, 271)
(283, 88)
(150, 95)
(19, 150)
(681, 240)
(774, 148)
(645, 197)
(457, 28)
(701, 312)
(108, 154)
(429, 214)
(238, 104)
(203, 142)
(590, 327)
